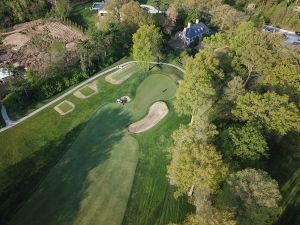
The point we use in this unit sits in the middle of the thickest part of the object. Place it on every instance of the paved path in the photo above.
(14, 123)
(5, 117)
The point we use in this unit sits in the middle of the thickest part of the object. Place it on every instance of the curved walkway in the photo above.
(14, 123)
(5, 117)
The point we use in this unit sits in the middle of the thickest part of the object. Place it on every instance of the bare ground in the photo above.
(156, 113)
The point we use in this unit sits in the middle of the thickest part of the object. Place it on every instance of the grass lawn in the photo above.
(83, 162)
(82, 15)
(87, 91)
(151, 201)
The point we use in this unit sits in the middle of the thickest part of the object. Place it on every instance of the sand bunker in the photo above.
(80, 93)
(156, 113)
(122, 74)
(64, 107)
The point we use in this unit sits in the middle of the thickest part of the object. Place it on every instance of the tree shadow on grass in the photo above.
(285, 168)
(57, 199)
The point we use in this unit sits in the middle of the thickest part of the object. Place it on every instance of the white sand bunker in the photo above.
(64, 107)
(87, 91)
(156, 113)
(122, 74)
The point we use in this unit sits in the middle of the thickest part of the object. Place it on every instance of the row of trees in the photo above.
(240, 91)
(18, 11)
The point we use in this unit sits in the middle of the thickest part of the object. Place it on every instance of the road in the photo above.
(96, 76)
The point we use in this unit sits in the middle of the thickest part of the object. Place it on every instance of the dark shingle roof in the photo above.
(196, 30)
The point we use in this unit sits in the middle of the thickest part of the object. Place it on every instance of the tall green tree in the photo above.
(147, 42)
(202, 76)
(271, 110)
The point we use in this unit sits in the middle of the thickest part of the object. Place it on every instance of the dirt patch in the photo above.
(60, 111)
(16, 41)
(29, 43)
(156, 113)
(92, 86)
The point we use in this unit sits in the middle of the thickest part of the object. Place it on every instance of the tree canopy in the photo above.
(147, 42)
(273, 111)
(246, 142)
(254, 195)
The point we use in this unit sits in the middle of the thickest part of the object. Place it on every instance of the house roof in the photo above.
(196, 30)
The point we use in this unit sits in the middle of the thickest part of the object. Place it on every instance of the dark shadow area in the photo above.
(57, 199)
(284, 166)
(21, 180)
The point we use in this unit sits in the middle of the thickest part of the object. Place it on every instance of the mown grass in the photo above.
(65, 107)
(83, 15)
(87, 91)
(151, 201)
(32, 148)
(126, 72)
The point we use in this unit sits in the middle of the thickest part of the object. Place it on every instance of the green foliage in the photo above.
(270, 109)
(254, 195)
(147, 42)
(234, 88)
(245, 143)
(134, 16)
(103, 48)
(194, 161)
(62, 7)
(198, 88)
(17, 11)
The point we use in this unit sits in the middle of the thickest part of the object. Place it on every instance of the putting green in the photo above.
(92, 182)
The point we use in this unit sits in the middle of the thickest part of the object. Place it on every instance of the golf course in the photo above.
(76, 163)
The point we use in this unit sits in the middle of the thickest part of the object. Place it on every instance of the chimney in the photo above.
(189, 25)
(197, 21)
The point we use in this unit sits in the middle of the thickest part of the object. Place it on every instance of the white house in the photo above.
(4, 73)
(193, 31)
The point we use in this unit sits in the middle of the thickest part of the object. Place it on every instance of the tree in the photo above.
(254, 195)
(198, 88)
(226, 17)
(114, 7)
(170, 20)
(134, 16)
(217, 218)
(234, 88)
(62, 7)
(285, 75)
(246, 142)
(147, 42)
(270, 109)
(195, 162)
(254, 49)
